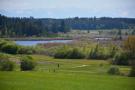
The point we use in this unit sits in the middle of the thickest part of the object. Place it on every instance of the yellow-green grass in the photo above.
(63, 81)
(70, 75)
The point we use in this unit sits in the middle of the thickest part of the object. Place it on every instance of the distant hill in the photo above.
(15, 26)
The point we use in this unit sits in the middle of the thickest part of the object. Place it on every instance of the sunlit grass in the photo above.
(72, 74)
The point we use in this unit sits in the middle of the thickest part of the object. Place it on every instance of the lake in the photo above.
(31, 43)
(103, 38)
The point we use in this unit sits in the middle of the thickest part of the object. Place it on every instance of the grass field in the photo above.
(70, 75)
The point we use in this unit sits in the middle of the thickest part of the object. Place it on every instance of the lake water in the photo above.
(31, 43)
(102, 38)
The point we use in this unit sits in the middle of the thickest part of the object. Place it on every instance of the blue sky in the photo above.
(67, 8)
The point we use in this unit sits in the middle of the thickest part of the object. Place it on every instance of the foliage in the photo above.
(113, 71)
(71, 53)
(129, 47)
(120, 59)
(132, 72)
(2, 42)
(27, 63)
(22, 27)
(96, 53)
(75, 54)
(113, 51)
(62, 52)
(26, 50)
(120, 34)
(5, 63)
(9, 48)
(133, 32)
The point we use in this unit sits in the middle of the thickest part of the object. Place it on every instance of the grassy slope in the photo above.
(71, 75)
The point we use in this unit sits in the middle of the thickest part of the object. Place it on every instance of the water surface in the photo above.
(31, 43)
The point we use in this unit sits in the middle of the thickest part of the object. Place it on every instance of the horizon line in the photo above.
(63, 17)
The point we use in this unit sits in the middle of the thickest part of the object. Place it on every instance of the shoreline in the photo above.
(36, 39)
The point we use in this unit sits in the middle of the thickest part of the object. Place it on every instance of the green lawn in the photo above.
(71, 75)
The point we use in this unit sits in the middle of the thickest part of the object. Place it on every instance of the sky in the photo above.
(67, 8)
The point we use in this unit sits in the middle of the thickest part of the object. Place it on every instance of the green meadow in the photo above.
(66, 74)
(47, 45)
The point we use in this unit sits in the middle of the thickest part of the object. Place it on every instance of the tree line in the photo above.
(24, 27)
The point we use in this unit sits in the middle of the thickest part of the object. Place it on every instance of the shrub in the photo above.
(132, 72)
(69, 54)
(27, 63)
(96, 53)
(92, 54)
(25, 50)
(113, 51)
(6, 64)
(120, 59)
(113, 71)
(10, 48)
(60, 54)
(129, 47)
(75, 54)
(2, 43)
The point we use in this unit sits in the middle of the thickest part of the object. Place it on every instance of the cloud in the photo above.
(125, 13)
(67, 8)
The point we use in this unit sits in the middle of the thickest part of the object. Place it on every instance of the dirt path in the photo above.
(80, 66)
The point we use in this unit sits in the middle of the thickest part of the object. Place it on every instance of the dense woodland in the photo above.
(23, 27)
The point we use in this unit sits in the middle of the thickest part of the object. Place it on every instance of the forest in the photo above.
(30, 26)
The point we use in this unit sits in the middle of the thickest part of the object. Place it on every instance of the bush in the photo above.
(60, 54)
(75, 54)
(2, 42)
(113, 51)
(114, 71)
(9, 48)
(25, 50)
(12, 48)
(27, 63)
(6, 64)
(132, 72)
(69, 54)
(120, 59)
(129, 47)
(96, 53)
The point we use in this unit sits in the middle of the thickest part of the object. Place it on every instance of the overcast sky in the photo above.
(67, 8)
